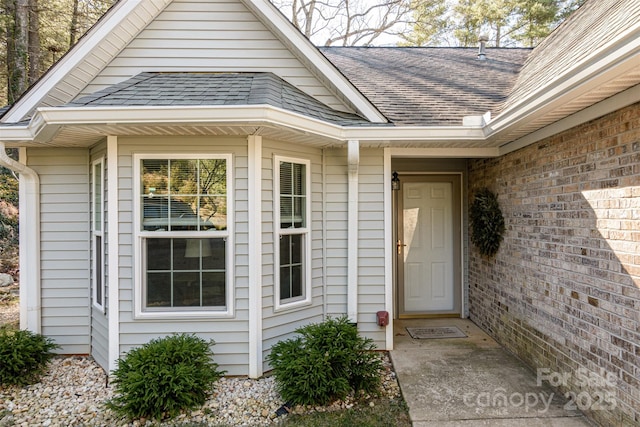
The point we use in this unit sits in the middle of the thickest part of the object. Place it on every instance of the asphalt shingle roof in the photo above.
(157, 89)
(594, 25)
(430, 86)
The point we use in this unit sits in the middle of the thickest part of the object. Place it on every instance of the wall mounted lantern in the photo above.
(395, 181)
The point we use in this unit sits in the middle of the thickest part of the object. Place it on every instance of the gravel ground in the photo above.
(74, 390)
(9, 306)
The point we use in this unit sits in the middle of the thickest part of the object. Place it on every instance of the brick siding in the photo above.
(563, 292)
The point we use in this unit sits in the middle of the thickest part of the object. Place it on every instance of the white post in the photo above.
(353, 158)
(113, 206)
(255, 256)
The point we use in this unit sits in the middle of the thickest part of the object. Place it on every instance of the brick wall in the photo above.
(563, 292)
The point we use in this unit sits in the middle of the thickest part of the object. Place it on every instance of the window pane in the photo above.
(286, 211)
(213, 212)
(185, 272)
(155, 176)
(296, 248)
(214, 254)
(296, 280)
(285, 250)
(98, 258)
(186, 289)
(291, 266)
(158, 254)
(183, 177)
(97, 196)
(183, 210)
(298, 177)
(158, 290)
(285, 283)
(213, 289)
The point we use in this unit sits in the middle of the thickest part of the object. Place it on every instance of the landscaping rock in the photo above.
(5, 280)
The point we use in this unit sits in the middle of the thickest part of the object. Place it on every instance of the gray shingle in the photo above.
(430, 86)
(215, 89)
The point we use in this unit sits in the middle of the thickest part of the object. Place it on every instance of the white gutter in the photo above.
(29, 207)
(54, 117)
(353, 161)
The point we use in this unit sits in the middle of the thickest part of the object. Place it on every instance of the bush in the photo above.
(24, 356)
(164, 377)
(326, 362)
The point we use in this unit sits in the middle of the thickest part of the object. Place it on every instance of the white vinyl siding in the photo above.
(99, 326)
(210, 36)
(231, 333)
(371, 244)
(65, 248)
(336, 205)
(279, 325)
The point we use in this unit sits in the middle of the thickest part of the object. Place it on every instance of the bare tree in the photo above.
(347, 22)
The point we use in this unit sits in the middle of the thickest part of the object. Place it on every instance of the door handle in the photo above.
(399, 246)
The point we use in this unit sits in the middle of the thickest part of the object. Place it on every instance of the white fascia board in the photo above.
(259, 114)
(16, 133)
(619, 57)
(415, 133)
(79, 52)
(271, 15)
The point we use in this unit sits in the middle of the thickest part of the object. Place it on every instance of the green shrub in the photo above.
(164, 377)
(326, 362)
(23, 355)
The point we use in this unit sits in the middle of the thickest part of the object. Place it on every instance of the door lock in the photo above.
(399, 246)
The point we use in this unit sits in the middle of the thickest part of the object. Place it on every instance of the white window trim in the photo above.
(139, 235)
(100, 305)
(280, 305)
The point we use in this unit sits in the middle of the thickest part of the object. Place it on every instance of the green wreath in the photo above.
(487, 222)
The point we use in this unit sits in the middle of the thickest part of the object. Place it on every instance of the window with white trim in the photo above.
(293, 249)
(97, 226)
(183, 232)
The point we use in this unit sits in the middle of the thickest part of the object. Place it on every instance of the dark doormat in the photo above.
(436, 332)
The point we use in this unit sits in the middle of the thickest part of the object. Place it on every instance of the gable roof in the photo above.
(127, 18)
(421, 86)
(215, 89)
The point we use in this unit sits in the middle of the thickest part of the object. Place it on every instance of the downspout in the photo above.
(353, 161)
(29, 230)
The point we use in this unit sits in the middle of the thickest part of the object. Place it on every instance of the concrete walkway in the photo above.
(472, 382)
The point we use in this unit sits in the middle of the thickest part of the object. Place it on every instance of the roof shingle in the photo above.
(430, 86)
(174, 89)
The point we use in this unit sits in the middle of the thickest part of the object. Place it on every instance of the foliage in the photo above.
(24, 355)
(54, 26)
(430, 22)
(326, 362)
(505, 22)
(487, 222)
(382, 413)
(164, 377)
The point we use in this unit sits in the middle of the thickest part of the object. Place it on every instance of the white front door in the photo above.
(428, 245)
